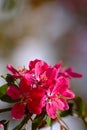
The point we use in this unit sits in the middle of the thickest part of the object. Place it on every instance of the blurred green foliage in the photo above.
(8, 4)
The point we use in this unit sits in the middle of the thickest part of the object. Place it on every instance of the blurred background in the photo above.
(51, 30)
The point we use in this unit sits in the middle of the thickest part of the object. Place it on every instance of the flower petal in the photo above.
(51, 73)
(73, 74)
(33, 63)
(40, 67)
(51, 110)
(68, 94)
(34, 107)
(25, 85)
(58, 66)
(35, 102)
(12, 69)
(18, 111)
(62, 104)
(61, 85)
(13, 92)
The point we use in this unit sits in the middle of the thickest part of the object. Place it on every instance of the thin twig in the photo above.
(61, 122)
(61, 127)
(5, 110)
(65, 124)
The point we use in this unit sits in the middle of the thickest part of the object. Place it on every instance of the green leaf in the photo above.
(80, 107)
(64, 113)
(49, 121)
(3, 90)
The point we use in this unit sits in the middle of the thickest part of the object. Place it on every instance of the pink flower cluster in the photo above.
(40, 87)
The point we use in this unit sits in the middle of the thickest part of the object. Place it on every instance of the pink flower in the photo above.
(43, 74)
(57, 96)
(37, 68)
(41, 86)
(30, 98)
(40, 68)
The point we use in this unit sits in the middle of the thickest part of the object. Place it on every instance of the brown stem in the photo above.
(61, 127)
(5, 110)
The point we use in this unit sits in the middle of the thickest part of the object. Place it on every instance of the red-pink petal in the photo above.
(12, 69)
(35, 102)
(58, 66)
(18, 111)
(33, 63)
(62, 104)
(73, 74)
(40, 67)
(13, 92)
(61, 85)
(37, 92)
(51, 110)
(24, 86)
(34, 107)
(68, 94)
(51, 73)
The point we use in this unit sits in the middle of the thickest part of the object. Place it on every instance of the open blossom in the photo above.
(57, 96)
(30, 98)
(42, 86)
(43, 73)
